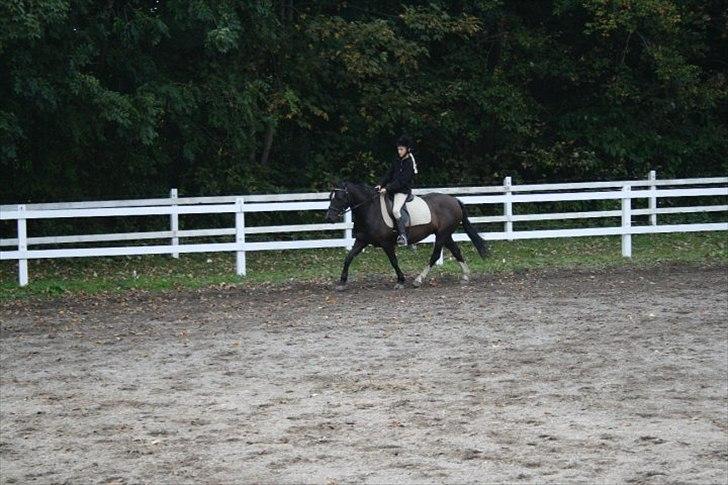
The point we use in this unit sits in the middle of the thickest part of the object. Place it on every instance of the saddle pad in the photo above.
(418, 210)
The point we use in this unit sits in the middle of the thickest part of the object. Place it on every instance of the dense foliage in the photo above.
(106, 99)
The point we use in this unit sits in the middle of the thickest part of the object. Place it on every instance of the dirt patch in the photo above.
(615, 376)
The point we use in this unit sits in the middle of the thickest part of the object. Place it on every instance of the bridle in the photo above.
(348, 200)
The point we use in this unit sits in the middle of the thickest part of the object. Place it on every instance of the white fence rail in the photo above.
(506, 195)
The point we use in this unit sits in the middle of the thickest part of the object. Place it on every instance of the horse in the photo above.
(370, 229)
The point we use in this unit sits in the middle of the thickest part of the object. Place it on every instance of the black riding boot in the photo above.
(401, 232)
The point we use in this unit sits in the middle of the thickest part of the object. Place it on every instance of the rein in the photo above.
(341, 212)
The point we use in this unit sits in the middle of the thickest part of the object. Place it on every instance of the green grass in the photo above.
(156, 273)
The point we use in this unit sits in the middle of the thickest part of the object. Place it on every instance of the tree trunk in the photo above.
(267, 144)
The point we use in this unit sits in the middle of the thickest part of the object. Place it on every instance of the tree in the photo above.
(127, 99)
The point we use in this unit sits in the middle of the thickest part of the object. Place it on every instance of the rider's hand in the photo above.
(382, 190)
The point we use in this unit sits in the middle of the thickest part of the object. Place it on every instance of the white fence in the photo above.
(507, 195)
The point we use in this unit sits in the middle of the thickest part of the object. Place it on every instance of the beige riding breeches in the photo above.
(399, 200)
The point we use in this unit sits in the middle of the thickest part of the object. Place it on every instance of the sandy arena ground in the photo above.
(610, 376)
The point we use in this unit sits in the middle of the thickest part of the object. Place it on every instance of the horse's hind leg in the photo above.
(455, 250)
(436, 251)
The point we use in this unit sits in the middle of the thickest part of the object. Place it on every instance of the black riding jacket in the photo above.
(400, 176)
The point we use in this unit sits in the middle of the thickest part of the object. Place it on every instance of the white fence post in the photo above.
(240, 269)
(347, 232)
(174, 222)
(653, 200)
(626, 222)
(508, 208)
(22, 246)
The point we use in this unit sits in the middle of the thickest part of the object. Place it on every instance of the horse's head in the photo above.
(340, 201)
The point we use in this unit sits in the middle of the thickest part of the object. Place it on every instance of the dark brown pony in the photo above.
(369, 228)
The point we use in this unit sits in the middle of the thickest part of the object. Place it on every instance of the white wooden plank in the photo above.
(544, 234)
(683, 210)
(120, 212)
(618, 184)
(226, 199)
(596, 231)
(488, 219)
(230, 199)
(286, 206)
(577, 196)
(691, 181)
(298, 228)
(498, 189)
(166, 249)
(119, 236)
(301, 244)
(665, 228)
(84, 238)
(94, 204)
(287, 197)
(566, 216)
(186, 233)
(119, 251)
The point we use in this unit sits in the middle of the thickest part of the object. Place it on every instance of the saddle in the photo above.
(415, 211)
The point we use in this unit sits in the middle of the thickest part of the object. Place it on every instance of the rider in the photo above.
(398, 181)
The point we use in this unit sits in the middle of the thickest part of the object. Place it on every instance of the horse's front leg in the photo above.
(395, 264)
(359, 245)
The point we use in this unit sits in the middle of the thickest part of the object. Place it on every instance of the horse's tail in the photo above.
(478, 241)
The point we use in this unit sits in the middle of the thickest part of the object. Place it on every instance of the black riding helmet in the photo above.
(405, 141)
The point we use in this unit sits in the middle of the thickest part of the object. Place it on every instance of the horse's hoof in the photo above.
(417, 283)
(399, 286)
(341, 287)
